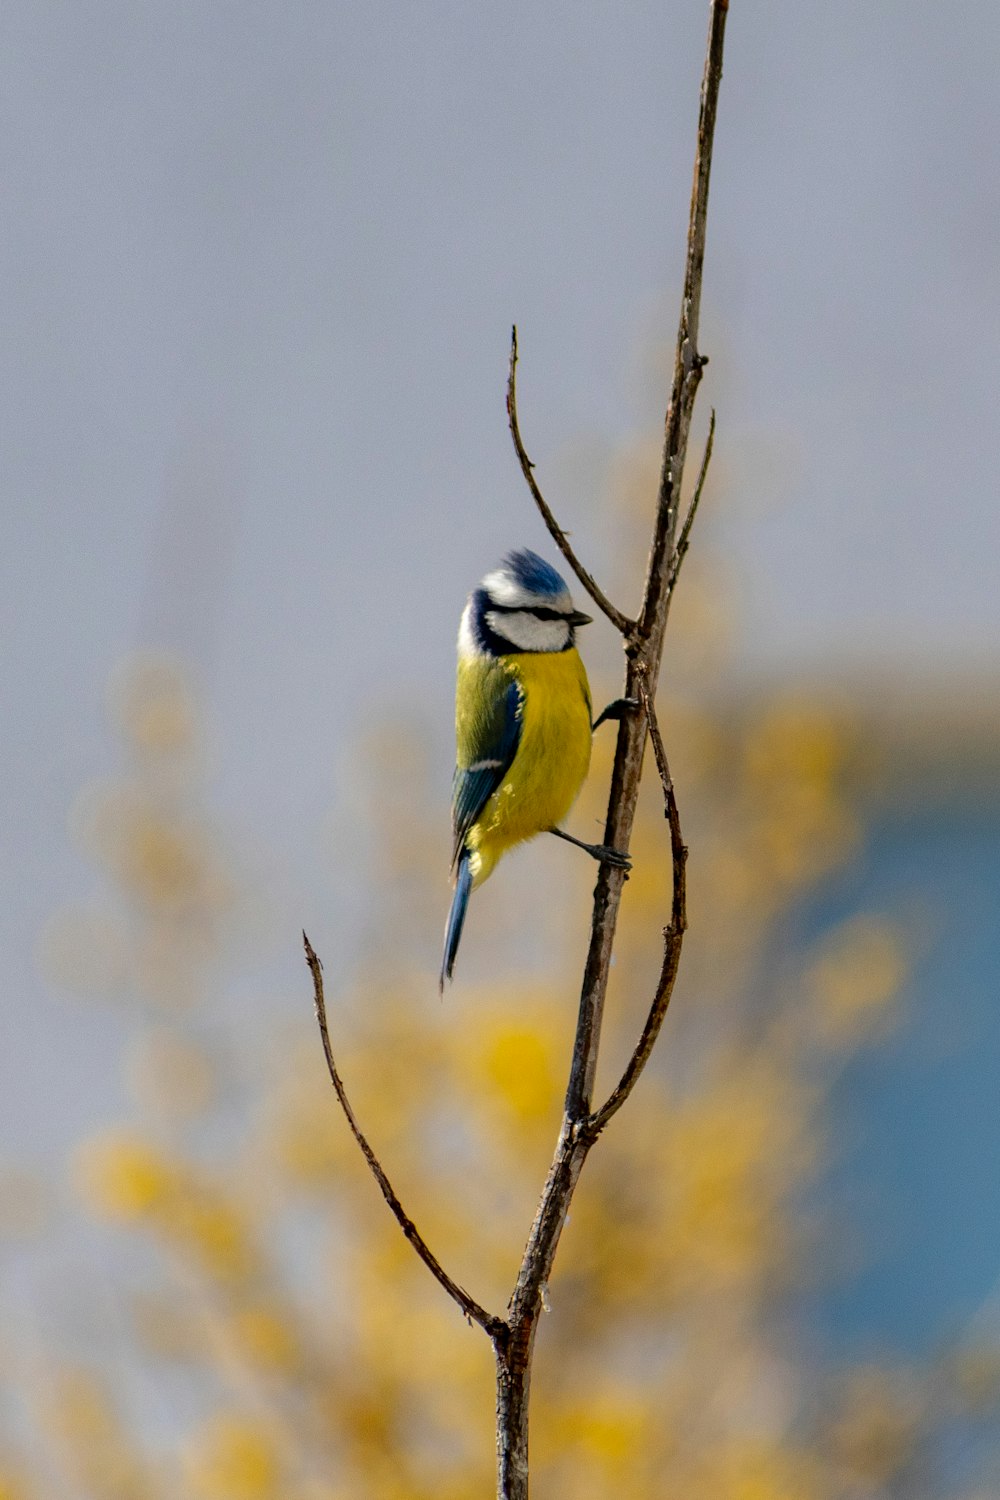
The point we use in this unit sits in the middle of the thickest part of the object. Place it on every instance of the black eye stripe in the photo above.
(539, 612)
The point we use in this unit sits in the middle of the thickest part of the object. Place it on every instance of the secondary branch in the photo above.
(494, 1326)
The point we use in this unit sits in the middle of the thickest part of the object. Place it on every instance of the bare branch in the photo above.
(513, 1338)
(494, 1326)
(621, 622)
(644, 649)
(673, 935)
(683, 541)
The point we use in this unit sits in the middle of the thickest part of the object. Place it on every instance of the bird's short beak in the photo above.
(579, 618)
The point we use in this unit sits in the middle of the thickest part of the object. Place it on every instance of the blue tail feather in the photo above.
(456, 917)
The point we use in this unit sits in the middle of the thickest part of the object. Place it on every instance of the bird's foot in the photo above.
(616, 710)
(608, 856)
(603, 853)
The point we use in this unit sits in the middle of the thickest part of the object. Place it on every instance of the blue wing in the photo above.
(488, 737)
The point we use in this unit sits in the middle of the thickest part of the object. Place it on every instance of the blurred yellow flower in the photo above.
(799, 836)
(749, 1470)
(152, 701)
(160, 861)
(232, 1458)
(733, 1153)
(975, 1376)
(794, 741)
(609, 1428)
(857, 976)
(96, 1448)
(160, 852)
(214, 1231)
(121, 1176)
(308, 1137)
(878, 1425)
(79, 1407)
(267, 1338)
(519, 1064)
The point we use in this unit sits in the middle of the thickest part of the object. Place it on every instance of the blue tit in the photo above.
(522, 724)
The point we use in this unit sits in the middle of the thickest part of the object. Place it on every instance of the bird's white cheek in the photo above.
(527, 633)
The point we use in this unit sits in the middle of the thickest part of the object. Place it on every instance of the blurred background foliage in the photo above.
(265, 1332)
(259, 264)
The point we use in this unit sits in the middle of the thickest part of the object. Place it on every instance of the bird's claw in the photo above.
(613, 857)
(616, 710)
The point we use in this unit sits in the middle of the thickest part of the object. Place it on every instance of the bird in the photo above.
(523, 725)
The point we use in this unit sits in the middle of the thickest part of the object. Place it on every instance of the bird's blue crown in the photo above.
(533, 572)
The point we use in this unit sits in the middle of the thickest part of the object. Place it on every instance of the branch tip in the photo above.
(621, 622)
(492, 1325)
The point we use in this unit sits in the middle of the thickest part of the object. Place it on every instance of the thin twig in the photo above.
(494, 1326)
(673, 934)
(684, 540)
(621, 622)
(689, 364)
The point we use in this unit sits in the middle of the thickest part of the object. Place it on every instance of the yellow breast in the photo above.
(552, 760)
